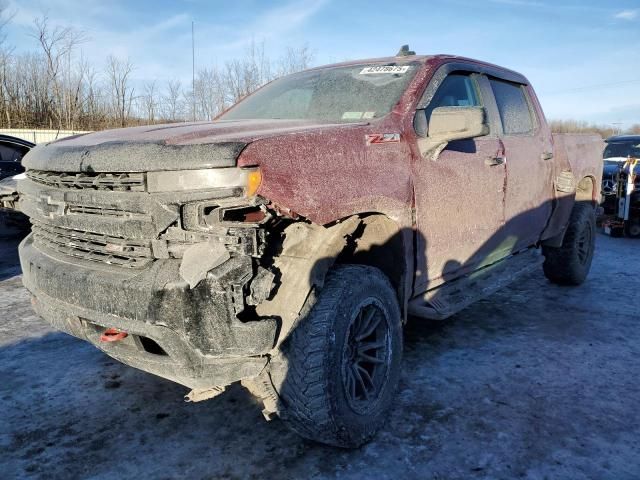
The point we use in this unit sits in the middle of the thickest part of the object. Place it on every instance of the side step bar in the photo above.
(449, 298)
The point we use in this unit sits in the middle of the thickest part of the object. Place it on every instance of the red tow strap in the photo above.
(113, 335)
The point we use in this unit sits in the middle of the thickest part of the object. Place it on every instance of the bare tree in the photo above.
(94, 111)
(634, 129)
(5, 59)
(577, 126)
(210, 93)
(5, 86)
(118, 73)
(58, 44)
(245, 75)
(295, 60)
(173, 101)
(150, 101)
(56, 87)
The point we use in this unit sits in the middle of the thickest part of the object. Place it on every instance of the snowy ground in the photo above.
(536, 382)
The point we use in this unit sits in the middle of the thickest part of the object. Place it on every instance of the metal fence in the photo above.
(39, 136)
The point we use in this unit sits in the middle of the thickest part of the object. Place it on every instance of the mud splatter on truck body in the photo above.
(205, 244)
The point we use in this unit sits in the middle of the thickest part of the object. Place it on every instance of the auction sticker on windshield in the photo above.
(384, 69)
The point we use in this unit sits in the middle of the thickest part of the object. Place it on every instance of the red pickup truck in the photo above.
(285, 244)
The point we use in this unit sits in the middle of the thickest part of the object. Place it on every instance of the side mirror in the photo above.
(453, 123)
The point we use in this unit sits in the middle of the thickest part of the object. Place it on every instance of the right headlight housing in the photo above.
(249, 179)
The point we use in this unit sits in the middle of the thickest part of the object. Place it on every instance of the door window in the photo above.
(11, 152)
(457, 90)
(513, 107)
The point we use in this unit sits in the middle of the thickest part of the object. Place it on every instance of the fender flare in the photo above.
(585, 191)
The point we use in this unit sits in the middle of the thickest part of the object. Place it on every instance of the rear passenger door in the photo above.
(529, 163)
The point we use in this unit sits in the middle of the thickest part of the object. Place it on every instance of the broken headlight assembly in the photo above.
(206, 216)
(248, 179)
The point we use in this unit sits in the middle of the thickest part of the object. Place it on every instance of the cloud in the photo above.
(275, 23)
(148, 49)
(520, 3)
(629, 15)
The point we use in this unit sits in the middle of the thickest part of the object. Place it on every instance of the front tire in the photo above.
(570, 263)
(339, 368)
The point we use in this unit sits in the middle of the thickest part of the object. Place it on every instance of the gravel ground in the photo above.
(535, 382)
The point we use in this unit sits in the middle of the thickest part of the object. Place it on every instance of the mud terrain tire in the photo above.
(334, 386)
(570, 263)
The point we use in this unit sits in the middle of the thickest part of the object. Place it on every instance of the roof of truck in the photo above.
(440, 58)
(623, 138)
(400, 59)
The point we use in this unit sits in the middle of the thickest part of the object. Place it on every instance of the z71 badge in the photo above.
(380, 138)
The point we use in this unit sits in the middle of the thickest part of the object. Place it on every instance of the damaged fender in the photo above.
(308, 252)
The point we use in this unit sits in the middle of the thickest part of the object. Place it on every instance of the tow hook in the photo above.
(113, 335)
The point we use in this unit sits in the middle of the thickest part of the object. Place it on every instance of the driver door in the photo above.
(459, 196)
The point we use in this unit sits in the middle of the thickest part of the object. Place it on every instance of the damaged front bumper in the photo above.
(183, 334)
(101, 259)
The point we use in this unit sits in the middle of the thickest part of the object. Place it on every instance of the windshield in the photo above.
(339, 94)
(623, 149)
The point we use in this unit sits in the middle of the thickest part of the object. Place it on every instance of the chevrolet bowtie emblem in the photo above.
(55, 208)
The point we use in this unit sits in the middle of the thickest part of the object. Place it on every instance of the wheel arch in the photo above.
(310, 250)
(586, 190)
(380, 242)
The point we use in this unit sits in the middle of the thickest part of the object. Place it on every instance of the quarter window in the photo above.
(513, 107)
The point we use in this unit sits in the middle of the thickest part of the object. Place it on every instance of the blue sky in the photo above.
(583, 57)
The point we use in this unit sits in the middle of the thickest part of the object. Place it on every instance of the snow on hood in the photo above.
(161, 147)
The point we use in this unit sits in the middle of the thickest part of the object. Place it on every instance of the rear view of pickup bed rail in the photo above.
(284, 244)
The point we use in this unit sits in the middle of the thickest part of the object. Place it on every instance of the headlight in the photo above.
(205, 179)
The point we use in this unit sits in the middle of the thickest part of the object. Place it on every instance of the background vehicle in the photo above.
(12, 150)
(285, 244)
(626, 217)
(9, 192)
(616, 153)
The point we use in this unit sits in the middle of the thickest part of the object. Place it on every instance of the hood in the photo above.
(616, 159)
(180, 146)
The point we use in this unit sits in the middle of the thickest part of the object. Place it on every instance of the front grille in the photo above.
(105, 212)
(93, 247)
(121, 182)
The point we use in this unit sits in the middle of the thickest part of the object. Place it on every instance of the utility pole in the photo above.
(193, 70)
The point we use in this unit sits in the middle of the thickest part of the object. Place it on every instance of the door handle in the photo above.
(493, 161)
(547, 156)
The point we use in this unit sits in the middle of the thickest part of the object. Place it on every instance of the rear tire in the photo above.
(570, 263)
(339, 368)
